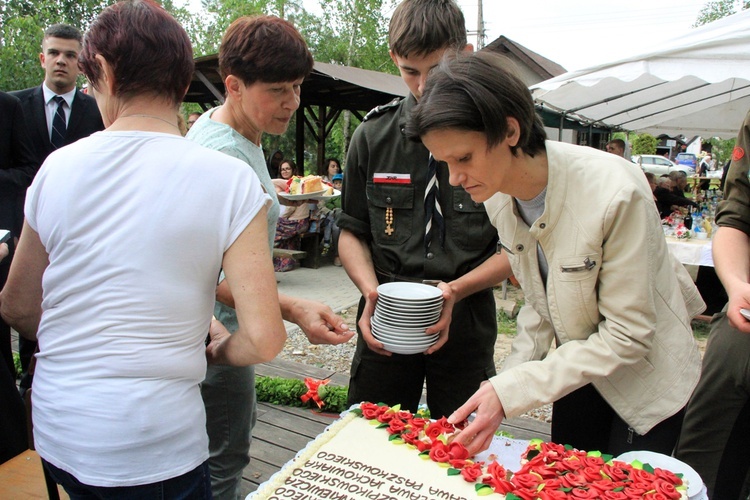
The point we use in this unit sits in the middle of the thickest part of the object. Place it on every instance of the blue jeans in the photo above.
(195, 484)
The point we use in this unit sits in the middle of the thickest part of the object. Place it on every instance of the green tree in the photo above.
(717, 9)
(644, 144)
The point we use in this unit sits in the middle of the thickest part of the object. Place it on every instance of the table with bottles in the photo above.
(689, 234)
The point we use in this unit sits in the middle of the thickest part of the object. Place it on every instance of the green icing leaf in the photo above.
(619, 488)
(594, 454)
(637, 464)
(511, 496)
(357, 412)
(648, 468)
(381, 425)
(607, 458)
(483, 490)
(394, 437)
(453, 472)
(531, 454)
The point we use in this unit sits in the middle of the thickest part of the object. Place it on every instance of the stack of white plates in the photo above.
(402, 314)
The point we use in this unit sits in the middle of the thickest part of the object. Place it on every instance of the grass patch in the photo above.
(701, 329)
(505, 325)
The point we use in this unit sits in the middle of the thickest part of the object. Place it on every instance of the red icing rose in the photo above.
(642, 476)
(410, 437)
(499, 485)
(584, 493)
(525, 493)
(615, 472)
(439, 452)
(472, 472)
(396, 426)
(547, 494)
(525, 480)
(573, 479)
(654, 496)
(667, 489)
(370, 410)
(592, 462)
(419, 423)
(614, 495)
(635, 490)
(591, 473)
(457, 451)
(668, 476)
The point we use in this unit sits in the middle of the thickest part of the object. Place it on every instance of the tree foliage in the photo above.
(349, 32)
(644, 144)
(717, 9)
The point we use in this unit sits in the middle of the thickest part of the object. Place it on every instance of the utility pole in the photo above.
(480, 32)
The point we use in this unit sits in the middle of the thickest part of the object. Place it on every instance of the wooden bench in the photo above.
(22, 477)
(308, 256)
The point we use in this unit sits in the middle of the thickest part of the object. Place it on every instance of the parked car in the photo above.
(659, 165)
(687, 160)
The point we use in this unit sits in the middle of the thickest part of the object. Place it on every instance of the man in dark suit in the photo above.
(57, 114)
(17, 167)
(59, 57)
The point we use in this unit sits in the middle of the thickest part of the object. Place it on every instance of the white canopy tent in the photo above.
(696, 84)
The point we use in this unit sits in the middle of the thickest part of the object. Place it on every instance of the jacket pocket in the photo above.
(470, 227)
(399, 198)
(575, 290)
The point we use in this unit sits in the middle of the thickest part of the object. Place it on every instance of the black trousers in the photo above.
(584, 420)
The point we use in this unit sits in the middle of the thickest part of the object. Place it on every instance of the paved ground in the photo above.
(328, 283)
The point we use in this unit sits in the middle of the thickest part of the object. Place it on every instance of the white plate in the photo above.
(407, 321)
(303, 196)
(411, 311)
(401, 290)
(695, 483)
(326, 197)
(397, 349)
(426, 341)
(397, 329)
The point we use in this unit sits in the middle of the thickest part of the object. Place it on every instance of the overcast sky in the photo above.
(580, 33)
(577, 33)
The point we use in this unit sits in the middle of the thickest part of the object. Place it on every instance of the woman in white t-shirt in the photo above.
(116, 271)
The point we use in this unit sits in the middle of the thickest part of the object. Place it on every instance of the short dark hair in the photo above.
(618, 142)
(148, 50)
(420, 27)
(264, 49)
(64, 31)
(478, 92)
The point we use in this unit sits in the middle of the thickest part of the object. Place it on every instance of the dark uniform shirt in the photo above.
(379, 146)
(454, 372)
(734, 210)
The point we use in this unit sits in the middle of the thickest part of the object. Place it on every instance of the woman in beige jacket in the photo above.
(579, 229)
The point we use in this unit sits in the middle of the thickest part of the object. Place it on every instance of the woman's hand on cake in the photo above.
(444, 322)
(364, 325)
(477, 436)
(318, 321)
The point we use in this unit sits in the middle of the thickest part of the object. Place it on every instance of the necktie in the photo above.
(58, 124)
(433, 215)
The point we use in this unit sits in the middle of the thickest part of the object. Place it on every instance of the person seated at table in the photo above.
(667, 200)
(329, 210)
(575, 224)
(119, 285)
(331, 167)
(294, 220)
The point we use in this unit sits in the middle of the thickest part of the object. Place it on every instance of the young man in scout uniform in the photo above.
(391, 231)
